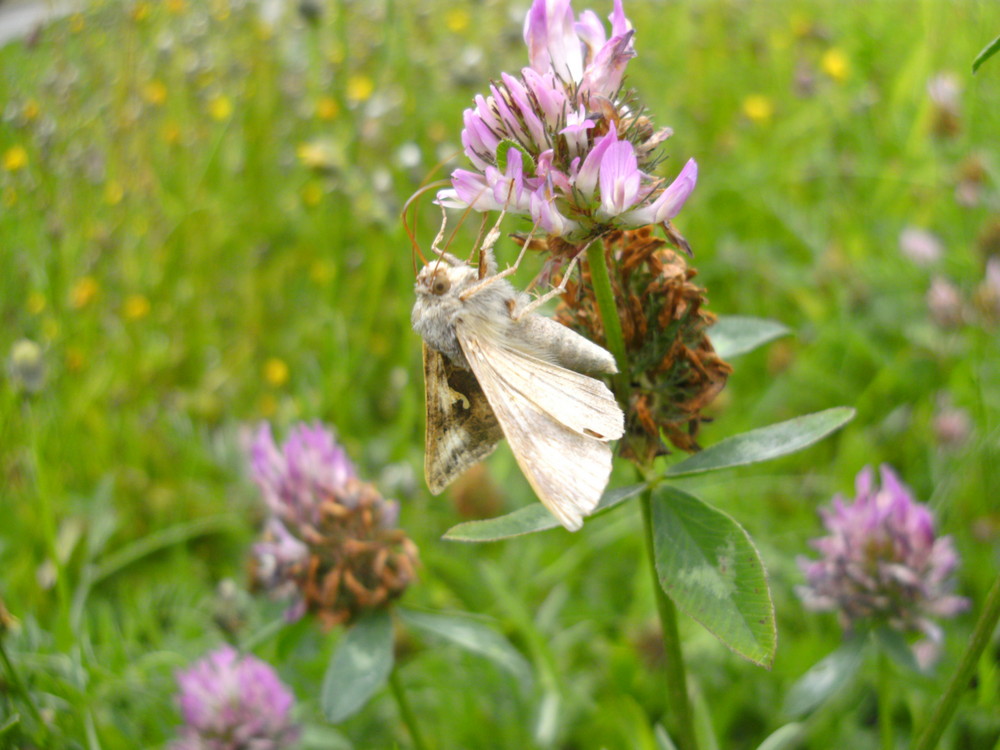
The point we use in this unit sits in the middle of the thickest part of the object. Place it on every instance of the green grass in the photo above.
(165, 244)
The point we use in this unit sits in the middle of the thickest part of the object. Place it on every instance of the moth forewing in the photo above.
(578, 402)
(557, 421)
(461, 427)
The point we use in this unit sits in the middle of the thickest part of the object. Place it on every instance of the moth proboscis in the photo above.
(495, 368)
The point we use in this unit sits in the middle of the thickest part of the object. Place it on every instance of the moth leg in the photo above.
(491, 240)
(553, 292)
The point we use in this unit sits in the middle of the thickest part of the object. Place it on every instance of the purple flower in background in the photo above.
(882, 562)
(944, 302)
(988, 292)
(562, 143)
(233, 702)
(331, 542)
(295, 478)
(920, 246)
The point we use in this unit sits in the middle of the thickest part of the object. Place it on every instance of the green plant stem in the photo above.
(680, 702)
(405, 711)
(605, 296)
(63, 629)
(945, 707)
(885, 702)
(15, 680)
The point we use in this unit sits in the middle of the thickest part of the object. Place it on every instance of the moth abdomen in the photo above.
(563, 346)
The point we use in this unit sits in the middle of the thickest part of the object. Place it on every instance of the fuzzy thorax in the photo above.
(493, 310)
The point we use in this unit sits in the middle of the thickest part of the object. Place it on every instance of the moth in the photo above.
(494, 368)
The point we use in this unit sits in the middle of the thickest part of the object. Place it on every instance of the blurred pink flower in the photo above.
(952, 425)
(331, 543)
(881, 561)
(234, 702)
(945, 303)
(920, 246)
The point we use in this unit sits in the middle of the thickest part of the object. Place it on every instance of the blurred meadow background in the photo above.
(199, 230)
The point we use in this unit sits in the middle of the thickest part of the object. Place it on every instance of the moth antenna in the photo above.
(436, 243)
(461, 221)
(411, 229)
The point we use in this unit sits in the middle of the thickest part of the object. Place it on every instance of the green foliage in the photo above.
(764, 443)
(987, 52)
(474, 637)
(359, 667)
(733, 335)
(198, 226)
(710, 568)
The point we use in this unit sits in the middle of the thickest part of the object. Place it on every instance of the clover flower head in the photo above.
(882, 562)
(232, 701)
(296, 477)
(561, 142)
(665, 323)
(330, 542)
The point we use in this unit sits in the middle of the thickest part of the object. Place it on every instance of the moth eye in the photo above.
(441, 285)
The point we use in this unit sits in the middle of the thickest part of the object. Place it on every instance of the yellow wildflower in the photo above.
(835, 64)
(155, 92)
(171, 133)
(456, 20)
(83, 291)
(264, 31)
(276, 372)
(321, 272)
(327, 108)
(15, 158)
(220, 108)
(267, 405)
(176, 6)
(136, 306)
(801, 24)
(359, 88)
(335, 54)
(758, 108)
(36, 302)
(320, 154)
(30, 110)
(74, 359)
(113, 192)
(312, 193)
(50, 328)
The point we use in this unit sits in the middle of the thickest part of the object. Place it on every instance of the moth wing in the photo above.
(462, 429)
(557, 422)
(579, 402)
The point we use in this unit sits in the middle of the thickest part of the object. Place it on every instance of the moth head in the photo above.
(439, 277)
(436, 282)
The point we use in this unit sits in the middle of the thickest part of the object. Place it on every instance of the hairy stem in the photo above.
(945, 707)
(405, 710)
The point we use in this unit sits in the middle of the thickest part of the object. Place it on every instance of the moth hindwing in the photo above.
(461, 427)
